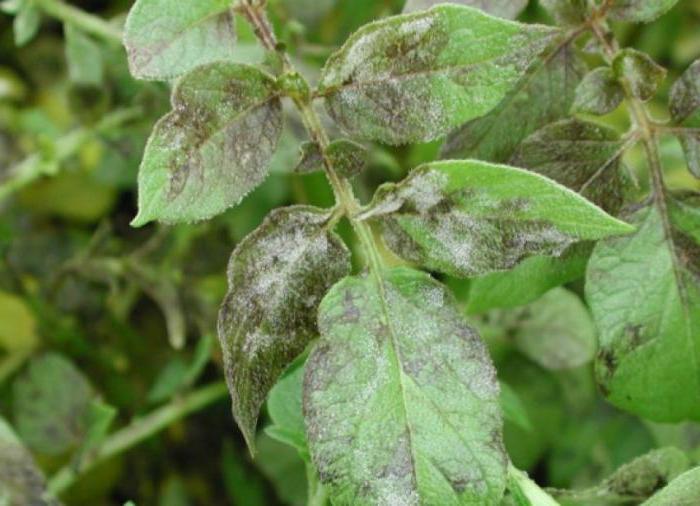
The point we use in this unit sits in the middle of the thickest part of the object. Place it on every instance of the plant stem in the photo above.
(138, 431)
(342, 188)
(81, 19)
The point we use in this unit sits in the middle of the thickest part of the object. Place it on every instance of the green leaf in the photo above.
(167, 38)
(685, 111)
(83, 56)
(21, 481)
(599, 93)
(683, 491)
(528, 280)
(284, 404)
(467, 218)
(99, 419)
(414, 77)
(526, 492)
(581, 155)
(634, 481)
(543, 95)
(277, 277)
(51, 401)
(556, 331)
(567, 12)
(26, 23)
(508, 9)
(639, 11)
(423, 428)
(513, 409)
(644, 292)
(213, 148)
(643, 75)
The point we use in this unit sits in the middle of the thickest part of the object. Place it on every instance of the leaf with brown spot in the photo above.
(277, 277)
(468, 218)
(639, 11)
(643, 75)
(598, 93)
(213, 148)
(644, 292)
(414, 77)
(388, 422)
(167, 38)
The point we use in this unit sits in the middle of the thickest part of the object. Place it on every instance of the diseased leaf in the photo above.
(685, 111)
(277, 277)
(167, 38)
(51, 401)
(581, 155)
(213, 148)
(556, 331)
(348, 158)
(634, 481)
(414, 77)
(543, 95)
(642, 74)
(423, 428)
(508, 9)
(639, 11)
(568, 12)
(644, 292)
(21, 481)
(468, 218)
(528, 280)
(683, 491)
(599, 93)
(310, 158)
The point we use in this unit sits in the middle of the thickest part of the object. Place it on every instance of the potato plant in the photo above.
(483, 274)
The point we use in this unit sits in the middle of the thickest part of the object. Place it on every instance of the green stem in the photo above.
(342, 188)
(138, 431)
(81, 19)
(317, 493)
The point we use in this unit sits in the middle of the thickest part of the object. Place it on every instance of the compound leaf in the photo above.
(642, 74)
(213, 148)
(644, 292)
(277, 277)
(414, 77)
(167, 38)
(468, 218)
(508, 9)
(639, 11)
(51, 405)
(424, 428)
(685, 111)
(543, 95)
(581, 155)
(598, 93)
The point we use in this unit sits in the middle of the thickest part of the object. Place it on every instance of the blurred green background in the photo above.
(88, 304)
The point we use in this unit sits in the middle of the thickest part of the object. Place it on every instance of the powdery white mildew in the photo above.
(389, 422)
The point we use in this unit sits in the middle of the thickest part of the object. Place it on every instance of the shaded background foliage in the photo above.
(91, 308)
